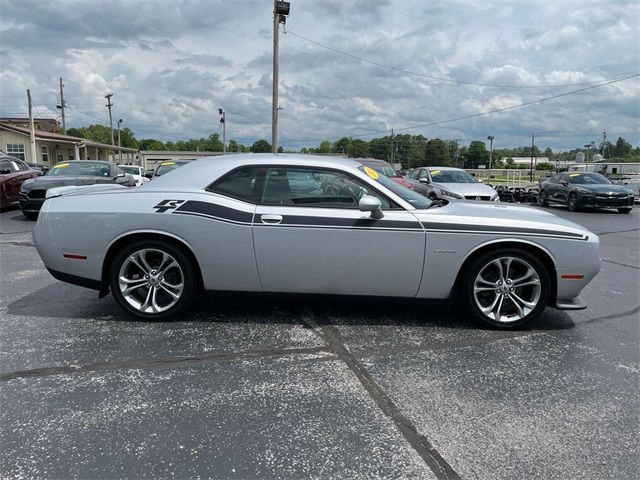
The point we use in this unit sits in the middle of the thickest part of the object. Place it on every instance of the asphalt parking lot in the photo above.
(287, 387)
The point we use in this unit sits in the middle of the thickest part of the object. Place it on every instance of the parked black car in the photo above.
(78, 172)
(590, 190)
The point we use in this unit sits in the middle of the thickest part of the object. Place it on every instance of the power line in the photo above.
(466, 117)
(424, 75)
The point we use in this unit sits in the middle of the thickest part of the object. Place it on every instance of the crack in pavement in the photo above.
(19, 244)
(421, 444)
(617, 231)
(163, 362)
(621, 264)
(611, 317)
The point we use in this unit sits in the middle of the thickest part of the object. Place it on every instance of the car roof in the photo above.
(207, 169)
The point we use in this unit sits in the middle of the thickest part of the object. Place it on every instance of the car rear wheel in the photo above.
(572, 202)
(152, 280)
(624, 210)
(30, 215)
(506, 288)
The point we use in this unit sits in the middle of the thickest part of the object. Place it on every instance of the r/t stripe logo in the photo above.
(165, 205)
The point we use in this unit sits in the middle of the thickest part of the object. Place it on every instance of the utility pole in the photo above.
(119, 143)
(32, 130)
(61, 107)
(586, 160)
(490, 138)
(109, 105)
(223, 121)
(533, 136)
(392, 148)
(604, 142)
(280, 11)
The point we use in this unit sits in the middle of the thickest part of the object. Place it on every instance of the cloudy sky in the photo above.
(172, 63)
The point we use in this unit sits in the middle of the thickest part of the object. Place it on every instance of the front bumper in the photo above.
(30, 204)
(596, 201)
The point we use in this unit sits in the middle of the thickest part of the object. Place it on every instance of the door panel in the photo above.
(339, 251)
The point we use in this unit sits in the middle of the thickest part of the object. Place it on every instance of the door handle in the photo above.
(271, 219)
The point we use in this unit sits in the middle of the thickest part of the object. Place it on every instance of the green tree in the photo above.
(342, 145)
(477, 155)
(325, 147)
(436, 152)
(151, 144)
(261, 146)
(623, 148)
(358, 149)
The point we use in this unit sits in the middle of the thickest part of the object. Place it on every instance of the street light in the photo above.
(586, 160)
(223, 121)
(119, 143)
(280, 11)
(490, 138)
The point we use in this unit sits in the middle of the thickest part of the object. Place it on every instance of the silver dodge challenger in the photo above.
(308, 224)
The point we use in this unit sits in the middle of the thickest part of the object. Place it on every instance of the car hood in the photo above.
(603, 188)
(467, 189)
(496, 217)
(46, 182)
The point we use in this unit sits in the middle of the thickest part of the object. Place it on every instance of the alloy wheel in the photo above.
(507, 289)
(151, 280)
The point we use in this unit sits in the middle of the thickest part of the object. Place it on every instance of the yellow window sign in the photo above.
(371, 172)
(574, 174)
(435, 172)
(61, 165)
(168, 163)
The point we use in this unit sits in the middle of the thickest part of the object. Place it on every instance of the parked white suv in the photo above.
(136, 172)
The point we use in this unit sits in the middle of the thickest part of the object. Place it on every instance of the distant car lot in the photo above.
(290, 387)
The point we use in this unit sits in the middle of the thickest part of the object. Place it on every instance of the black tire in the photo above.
(625, 210)
(31, 215)
(478, 265)
(572, 202)
(542, 199)
(186, 270)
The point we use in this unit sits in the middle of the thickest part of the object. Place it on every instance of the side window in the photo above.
(306, 187)
(243, 184)
(23, 167)
(414, 174)
(5, 165)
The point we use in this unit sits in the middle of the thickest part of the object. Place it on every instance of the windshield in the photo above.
(415, 199)
(130, 169)
(383, 169)
(167, 167)
(588, 179)
(451, 176)
(91, 169)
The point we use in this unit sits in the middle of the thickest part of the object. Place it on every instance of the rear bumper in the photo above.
(75, 280)
(575, 303)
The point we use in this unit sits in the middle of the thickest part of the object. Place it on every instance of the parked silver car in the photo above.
(448, 182)
(307, 224)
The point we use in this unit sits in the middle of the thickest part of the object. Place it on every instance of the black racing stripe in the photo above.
(213, 210)
(494, 228)
(294, 220)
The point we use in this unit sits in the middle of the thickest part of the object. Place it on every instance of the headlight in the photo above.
(447, 193)
(495, 197)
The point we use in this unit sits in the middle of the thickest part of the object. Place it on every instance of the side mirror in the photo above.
(148, 175)
(423, 180)
(369, 203)
(564, 184)
(5, 171)
(120, 175)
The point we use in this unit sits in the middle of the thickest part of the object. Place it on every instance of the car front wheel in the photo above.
(572, 202)
(506, 289)
(152, 280)
(542, 199)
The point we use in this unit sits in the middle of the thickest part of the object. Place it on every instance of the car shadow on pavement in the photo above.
(61, 300)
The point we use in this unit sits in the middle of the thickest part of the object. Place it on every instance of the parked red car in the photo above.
(12, 173)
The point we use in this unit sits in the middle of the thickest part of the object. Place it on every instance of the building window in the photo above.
(16, 150)
(45, 153)
(72, 154)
